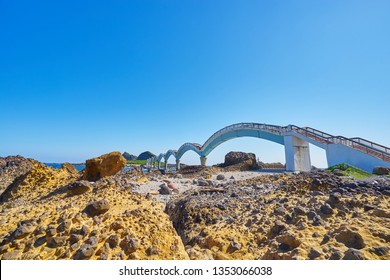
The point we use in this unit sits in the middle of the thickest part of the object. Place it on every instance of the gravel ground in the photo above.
(183, 184)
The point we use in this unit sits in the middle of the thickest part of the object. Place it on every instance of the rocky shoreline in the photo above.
(197, 213)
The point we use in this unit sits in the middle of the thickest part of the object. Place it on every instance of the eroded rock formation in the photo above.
(104, 166)
(240, 160)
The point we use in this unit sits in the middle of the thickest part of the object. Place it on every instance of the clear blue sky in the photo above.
(82, 78)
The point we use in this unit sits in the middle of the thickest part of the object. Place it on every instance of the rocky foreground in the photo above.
(50, 213)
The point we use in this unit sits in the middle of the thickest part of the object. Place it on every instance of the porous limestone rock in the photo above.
(39, 220)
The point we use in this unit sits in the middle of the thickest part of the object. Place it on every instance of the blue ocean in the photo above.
(79, 167)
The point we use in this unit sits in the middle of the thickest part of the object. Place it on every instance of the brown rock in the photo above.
(84, 230)
(97, 207)
(164, 190)
(79, 187)
(75, 238)
(23, 230)
(314, 253)
(57, 242)
(117, 225)
(277, 229)
(69, 167)
(288, 242)
(113, 241)
(353, 254)
(12, 255)
(129, 244)
(336, 255)
(350, 239)
(103, 166)
(64, 226)
(380, 170)
(85, 252)
(245, 160)
(152, 251)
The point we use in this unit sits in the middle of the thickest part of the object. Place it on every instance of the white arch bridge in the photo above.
(358, 152)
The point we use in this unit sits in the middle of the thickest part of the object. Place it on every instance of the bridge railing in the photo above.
(357, 143)
(196, 145)
(371, 144)
(365, 146)
(312, 133)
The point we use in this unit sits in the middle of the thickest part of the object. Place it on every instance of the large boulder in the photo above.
(380, 170)
(145, 155)
(103, 166)
(243, 160)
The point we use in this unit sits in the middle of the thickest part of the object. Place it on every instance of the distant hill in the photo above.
(145, 155)
(128, 156)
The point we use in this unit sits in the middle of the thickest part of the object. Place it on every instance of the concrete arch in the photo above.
(356, 151)
(169, 153)
(229, 135)
(188, 147)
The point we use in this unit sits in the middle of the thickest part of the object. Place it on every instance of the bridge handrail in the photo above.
(360, 144)
(318, 132)
(364, 145)
(371, 144)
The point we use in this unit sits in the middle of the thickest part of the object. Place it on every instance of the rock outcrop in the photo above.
(244, 161)
(69, 167)
(380, 170)
(288, 216)
(41, 220)
(13, 170)
(104, 166)
(53, 214)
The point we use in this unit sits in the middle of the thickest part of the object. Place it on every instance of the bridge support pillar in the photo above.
(177, 164)
(203, 161)
(297, 154)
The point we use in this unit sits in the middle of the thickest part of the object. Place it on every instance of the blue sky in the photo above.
(82, 78)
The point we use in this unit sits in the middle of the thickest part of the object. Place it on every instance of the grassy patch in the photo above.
(349, 170)
(136, 162)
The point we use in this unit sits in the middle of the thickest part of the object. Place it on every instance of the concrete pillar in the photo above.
(177, 164)
(297, 154)
(203, 161)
